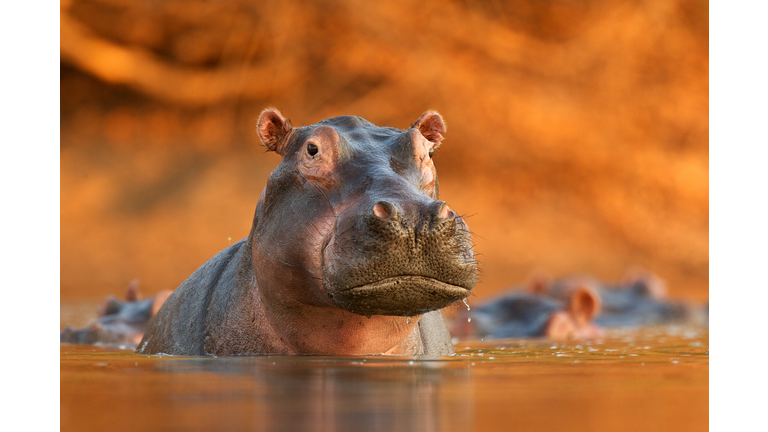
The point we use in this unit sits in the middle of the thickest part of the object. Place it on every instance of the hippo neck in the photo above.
(337, 332)
(254, 321)
(298, 328)
(306, 329)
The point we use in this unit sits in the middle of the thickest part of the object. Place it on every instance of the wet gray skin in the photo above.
(517, 315)
(633, 305)
(348, 238)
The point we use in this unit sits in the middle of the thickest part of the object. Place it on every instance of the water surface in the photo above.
(651, 379)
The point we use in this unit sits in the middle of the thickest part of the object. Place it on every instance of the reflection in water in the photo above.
(322, 394)
(630, 380)
(299, 393)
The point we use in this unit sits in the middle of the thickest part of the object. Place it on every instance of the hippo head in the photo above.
(350, 218)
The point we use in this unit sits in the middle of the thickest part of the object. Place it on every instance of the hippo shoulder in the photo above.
(179, 326)
(434, 334)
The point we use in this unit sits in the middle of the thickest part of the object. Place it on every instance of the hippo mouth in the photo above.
(399, 296)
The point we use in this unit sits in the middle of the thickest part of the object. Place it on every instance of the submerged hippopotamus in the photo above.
(350, 252)
(119, 322)
(524, 314)
(576, 307)
(639, 298)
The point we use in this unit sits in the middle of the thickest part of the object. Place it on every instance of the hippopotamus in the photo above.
(576, 307)
(521, 314)
(350, 252)
(639, 298)
(119, 322)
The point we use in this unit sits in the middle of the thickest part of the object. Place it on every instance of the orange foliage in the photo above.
(577, 131)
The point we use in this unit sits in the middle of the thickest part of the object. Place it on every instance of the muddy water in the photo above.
(654, 379)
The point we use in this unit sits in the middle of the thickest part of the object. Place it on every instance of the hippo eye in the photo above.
(431, 152)
(312, 149)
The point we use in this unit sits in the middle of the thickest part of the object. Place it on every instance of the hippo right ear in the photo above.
(273, 129)
(432, 126)
(585, 304)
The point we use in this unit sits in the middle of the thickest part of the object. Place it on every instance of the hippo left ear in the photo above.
(273, 128)
(431, 125)
(132, 293)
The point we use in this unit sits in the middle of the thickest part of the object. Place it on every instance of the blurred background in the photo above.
(577, 130)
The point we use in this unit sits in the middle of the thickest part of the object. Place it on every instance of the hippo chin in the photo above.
(348, 239)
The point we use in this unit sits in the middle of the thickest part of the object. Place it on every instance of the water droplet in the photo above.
(469, 319)
(407, 320)
(466, 304)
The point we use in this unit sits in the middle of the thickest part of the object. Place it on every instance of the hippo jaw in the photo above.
(400, 296)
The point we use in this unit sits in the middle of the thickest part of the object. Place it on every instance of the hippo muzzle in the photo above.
(399, 258)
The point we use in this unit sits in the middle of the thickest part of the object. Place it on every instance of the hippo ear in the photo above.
(132, 293)
(431, 125)
(585, 304)
(273, 128)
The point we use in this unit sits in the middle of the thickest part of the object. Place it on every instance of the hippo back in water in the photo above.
(350, 252)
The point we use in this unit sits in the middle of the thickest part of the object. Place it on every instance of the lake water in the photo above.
(650, 379)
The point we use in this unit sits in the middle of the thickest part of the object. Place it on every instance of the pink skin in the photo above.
(576, 321)
(160, 298)
(299, 315)
(565, 326)
(421, 150)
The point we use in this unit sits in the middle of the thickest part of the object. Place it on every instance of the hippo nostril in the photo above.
(441, 211)
(446, 212)
(383, 209)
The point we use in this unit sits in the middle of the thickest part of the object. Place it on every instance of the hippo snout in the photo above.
(390, 221)
(400, 258)
(437, 211)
